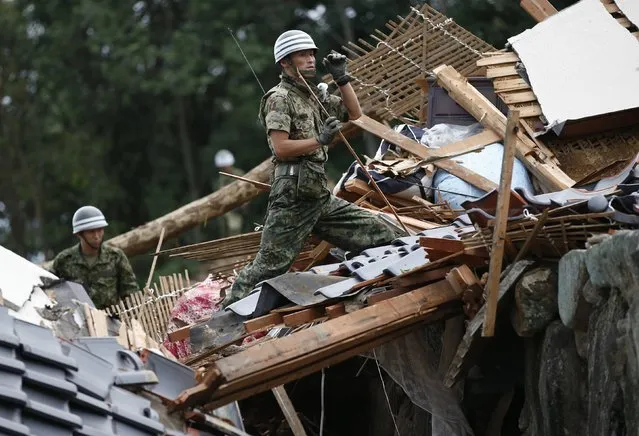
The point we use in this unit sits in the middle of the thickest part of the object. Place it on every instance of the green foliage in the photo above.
(123, 104)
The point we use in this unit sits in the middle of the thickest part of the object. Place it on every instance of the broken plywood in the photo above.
(580, 46)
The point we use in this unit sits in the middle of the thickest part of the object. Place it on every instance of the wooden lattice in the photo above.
(386, 70)
(152, 308)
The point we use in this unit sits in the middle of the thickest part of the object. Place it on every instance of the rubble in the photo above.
(554, 242)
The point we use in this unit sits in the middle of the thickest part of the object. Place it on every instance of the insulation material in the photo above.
(18, 276)
(581, 63)
(630, 9)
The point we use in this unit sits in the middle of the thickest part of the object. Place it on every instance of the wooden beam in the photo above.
(419, 150)
(261, 322)
(303, 316)
(273, 363)
(493, 73)
(518, 97)
(442, 244)
(468, 145)
(289, 411)
(335, 310)
(506, 58)
(490, 117)
(501, 223)
(506, 85)
(383, 296)
(421, 278)
(538, 9)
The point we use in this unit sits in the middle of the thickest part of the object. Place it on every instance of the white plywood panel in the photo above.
(18, 276)
(581, 63)
(630, 8)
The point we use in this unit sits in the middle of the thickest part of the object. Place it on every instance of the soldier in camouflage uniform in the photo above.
(299, 133)
(104, 271)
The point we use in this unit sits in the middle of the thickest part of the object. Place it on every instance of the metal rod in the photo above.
(359, 161)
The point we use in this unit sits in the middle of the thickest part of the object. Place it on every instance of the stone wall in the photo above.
(582, 367)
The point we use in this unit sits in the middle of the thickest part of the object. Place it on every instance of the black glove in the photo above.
(335, 63)
(329, 130)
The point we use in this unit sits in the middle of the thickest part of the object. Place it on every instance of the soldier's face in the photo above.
(93, 237)
(304, 61)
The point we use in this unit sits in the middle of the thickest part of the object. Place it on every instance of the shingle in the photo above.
(88, 366)
(409, 262)
(39, 343)
(9, 427)
(173, 377)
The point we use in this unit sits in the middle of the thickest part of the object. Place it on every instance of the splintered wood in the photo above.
(223, 257)
(150, 310)
(532, 153)
(386, 68)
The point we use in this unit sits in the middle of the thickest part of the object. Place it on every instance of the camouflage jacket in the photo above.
(107, 281)
(290, 107)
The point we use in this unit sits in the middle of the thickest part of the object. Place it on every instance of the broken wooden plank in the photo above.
(514, 84)
(465, 146)
(335, 310)
(532, 110)
(489, 116)
(180, 334)
(505, 58)
(100, 323)
(273, 363)
(468, 347)
(538, 9)
(421, 278)
(289, 411)
(419, 150)
(501, 223)
(518, 97)
(303, 316)
(270, 319)
(383, 296)
(495, 72)
(442, 244)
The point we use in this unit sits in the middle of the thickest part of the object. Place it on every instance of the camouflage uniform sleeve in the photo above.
(336, 108)
(127, 283)
(277, 114)
(55, 266)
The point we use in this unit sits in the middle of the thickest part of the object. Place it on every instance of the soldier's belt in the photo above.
(287, 169)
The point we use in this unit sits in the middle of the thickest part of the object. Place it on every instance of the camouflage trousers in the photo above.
(290, 220)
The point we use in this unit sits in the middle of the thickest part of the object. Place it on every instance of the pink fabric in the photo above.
(195, 305)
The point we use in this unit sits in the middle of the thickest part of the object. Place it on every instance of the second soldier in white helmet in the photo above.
(299, 133)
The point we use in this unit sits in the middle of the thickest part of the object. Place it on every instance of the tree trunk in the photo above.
(144, 238)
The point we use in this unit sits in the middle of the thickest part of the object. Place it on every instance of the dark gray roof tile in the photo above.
(39, 343)
(52, 414)
(174, 377)
(53, 385)
(12, 428)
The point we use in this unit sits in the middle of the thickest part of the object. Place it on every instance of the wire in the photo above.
(321, 429)
(246, 59)
(386, 393)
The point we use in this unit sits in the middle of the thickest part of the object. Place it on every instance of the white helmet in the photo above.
(88, 218)
(290, 42)
(224, 158)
